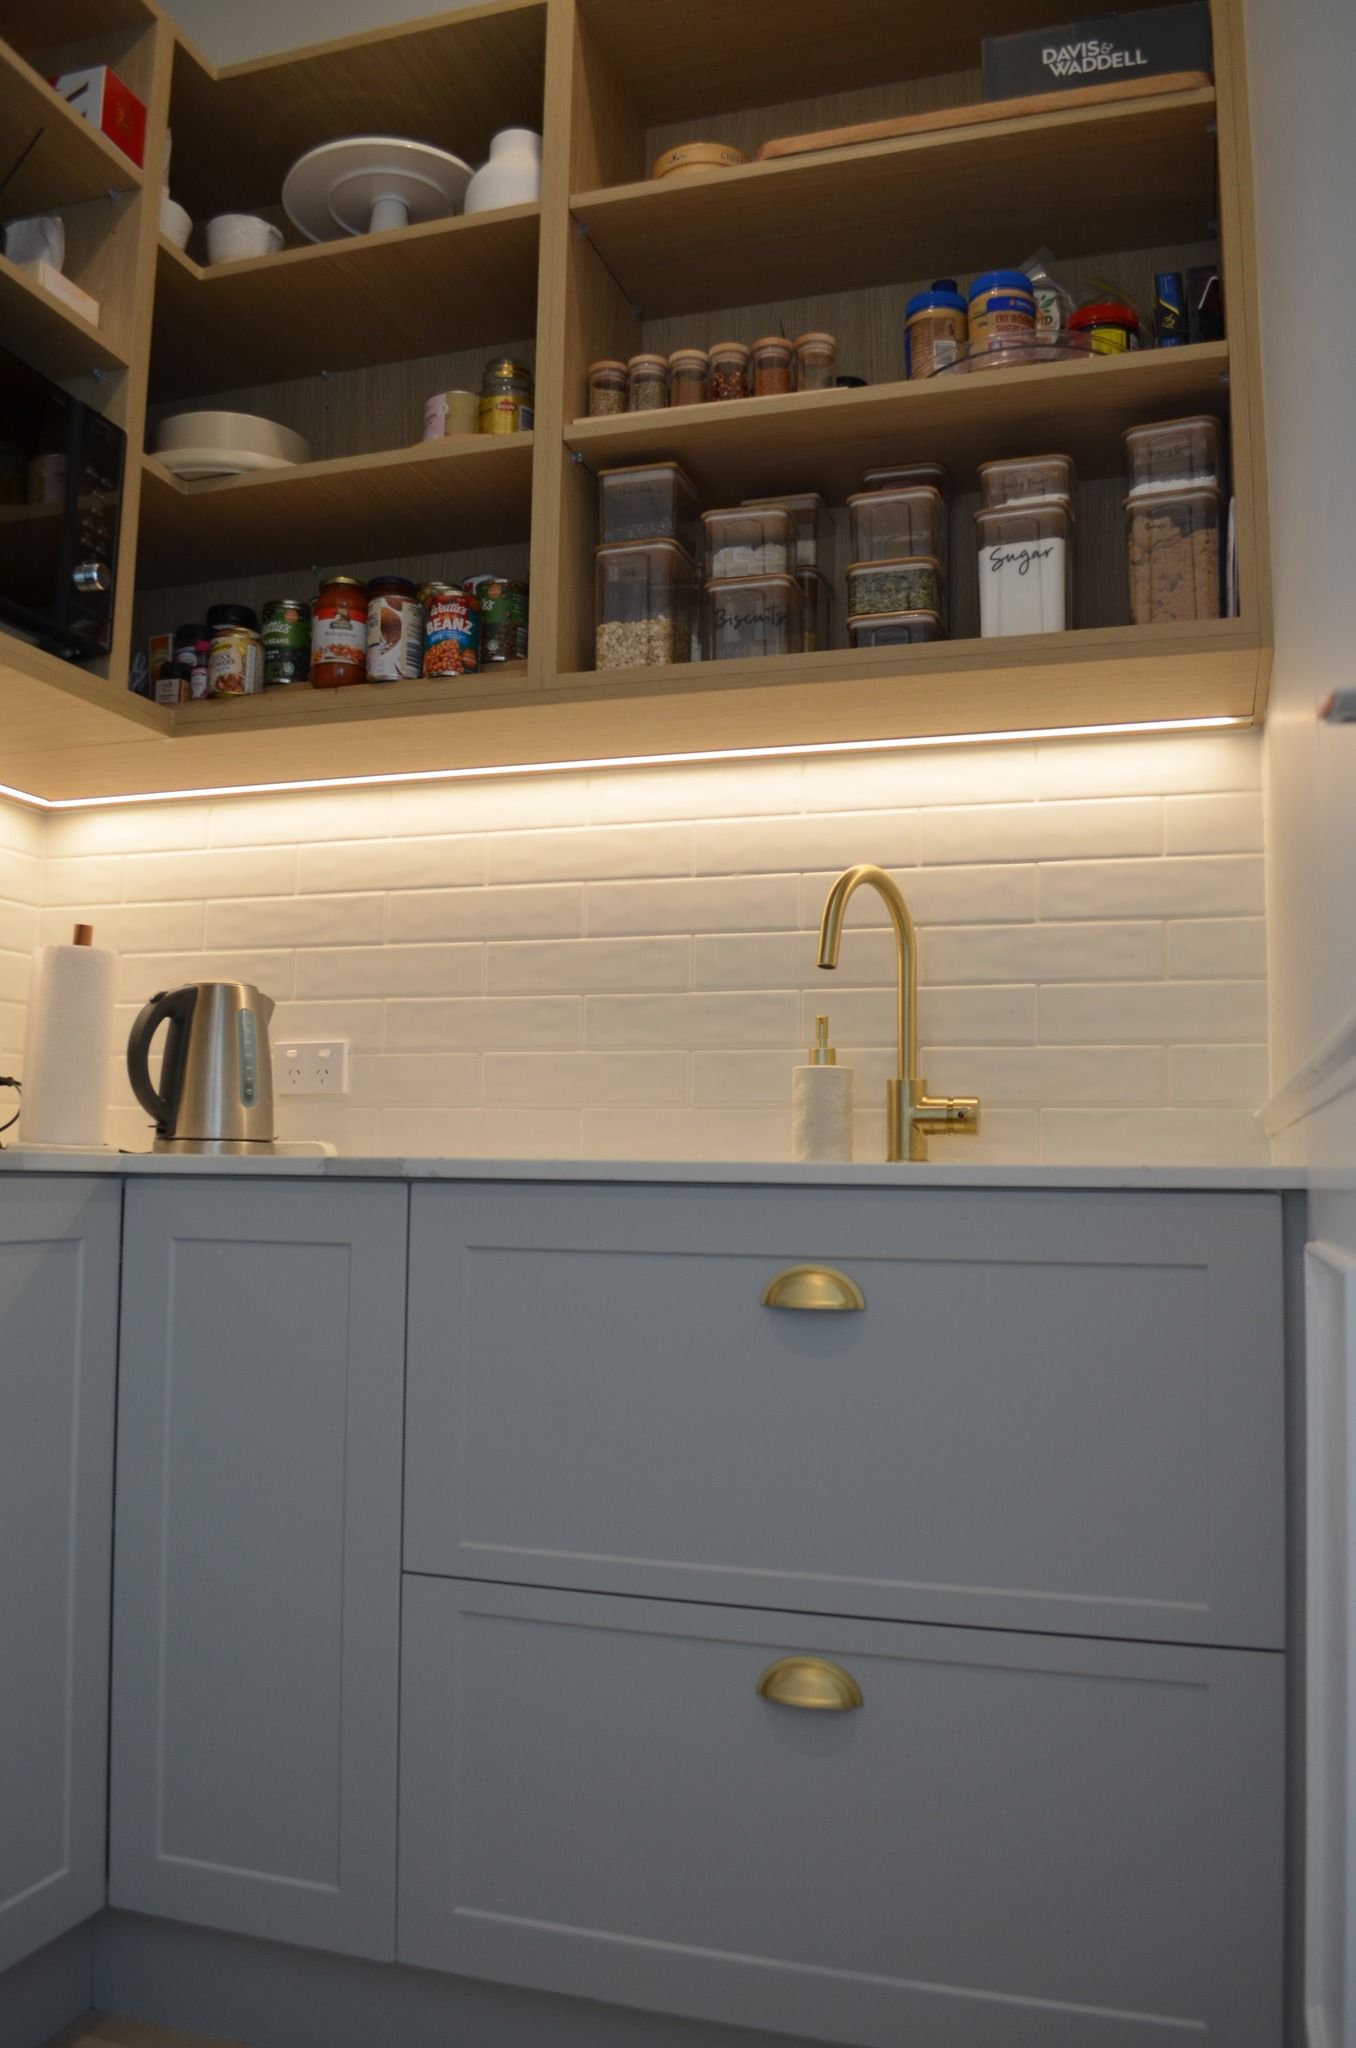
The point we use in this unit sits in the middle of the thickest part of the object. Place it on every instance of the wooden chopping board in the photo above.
(984, 110)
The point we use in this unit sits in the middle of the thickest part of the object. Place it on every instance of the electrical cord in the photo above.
(8, 1081)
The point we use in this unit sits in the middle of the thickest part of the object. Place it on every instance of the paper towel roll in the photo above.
(70, 1020)
(821, 1113)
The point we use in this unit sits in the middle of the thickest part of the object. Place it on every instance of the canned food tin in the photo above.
(451, 631)
(503, 612)
(287, 641)
(395, 630)
(235, 664)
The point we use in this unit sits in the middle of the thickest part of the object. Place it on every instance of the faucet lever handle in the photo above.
(939, 1115)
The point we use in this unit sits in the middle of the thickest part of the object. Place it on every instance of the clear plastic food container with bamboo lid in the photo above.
(1174, 554)
(895, 629)
(752, 615)
(647, 604)
(1022, 478)
(813, 523)
(750, 540)
(908, 521)
(1171, 454)
(650, 501)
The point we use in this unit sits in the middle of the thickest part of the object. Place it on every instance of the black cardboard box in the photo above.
(1098, 50)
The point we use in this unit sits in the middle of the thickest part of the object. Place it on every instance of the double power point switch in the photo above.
(311, 1067)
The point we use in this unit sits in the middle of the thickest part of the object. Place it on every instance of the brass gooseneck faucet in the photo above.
(914, 1115)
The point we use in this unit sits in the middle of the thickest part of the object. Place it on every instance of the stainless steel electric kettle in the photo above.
(216, 1077)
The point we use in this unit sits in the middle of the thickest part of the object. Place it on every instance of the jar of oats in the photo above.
(647, 604)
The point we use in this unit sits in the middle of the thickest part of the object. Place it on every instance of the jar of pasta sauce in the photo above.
(395, 630)
(339, 633)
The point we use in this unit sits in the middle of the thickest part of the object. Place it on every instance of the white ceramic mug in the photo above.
(175, 221)
(231, 237)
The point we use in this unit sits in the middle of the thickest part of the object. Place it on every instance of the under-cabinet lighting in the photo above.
(688, 758)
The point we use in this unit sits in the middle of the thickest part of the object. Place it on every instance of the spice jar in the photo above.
(816, 361)
(339, 633)
(506, 397)
(607, 389)
(287, 641)
(689, 376)
(729, 370)
(647, 383)
(773, 371)
(395, 630)
(235, 665)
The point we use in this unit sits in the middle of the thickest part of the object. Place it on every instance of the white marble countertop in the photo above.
(773, 1173)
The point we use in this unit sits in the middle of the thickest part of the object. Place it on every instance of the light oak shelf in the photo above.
(416, 291)
(474, 489)
(45, 331)
(304, 707)
(939, 202)
(59, 158)
(824, 440)
(46, 24)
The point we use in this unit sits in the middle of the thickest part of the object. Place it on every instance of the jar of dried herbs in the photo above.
(607, 389)
(647, 383)
(729, 370)
(689, 376)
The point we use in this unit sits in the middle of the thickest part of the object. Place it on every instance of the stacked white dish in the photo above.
(205, 444)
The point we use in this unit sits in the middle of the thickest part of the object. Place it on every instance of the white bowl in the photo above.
(176, 222)
(228, 440)
(235, 237)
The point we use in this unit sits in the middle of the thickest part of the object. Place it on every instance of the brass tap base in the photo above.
(913, 1116)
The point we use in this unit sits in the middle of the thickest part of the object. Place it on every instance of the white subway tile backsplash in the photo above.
(1152, 766)
(141, 975)
(751, 846)
(14, 975)
(95, 878)
(1231, 949)
(990, 895)
(391, 971)
(1005, 1137)
(787, 960)
(725, 789)
(740, 903)
(764, 1018)
(1160, 1013)
(927, 775)
(1035, 1075)
(555, 912)
(749, 1078)
(362, 1024)
(1230, 1076)
(175, 877)
(511, 803)
(1054, 831)
(416, 1080)
(1043, 952)
(579, 965)
(946, 1016)
(1151, 1137)
(593, 854)
(1214, 824)
(1229, 885)
(19, 927)
(69, 834)
(338, 814)
(392, 864)
(135, 927)
(296, 921)
(481, 1024)
(587, 1079)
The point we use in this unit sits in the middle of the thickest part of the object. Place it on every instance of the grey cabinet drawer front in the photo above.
(257, 1641)
(1057, 1412)
(1016, 1842)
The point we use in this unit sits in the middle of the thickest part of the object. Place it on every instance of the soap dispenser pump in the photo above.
(821, 1104)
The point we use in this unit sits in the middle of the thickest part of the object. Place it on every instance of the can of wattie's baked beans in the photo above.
(451, 630)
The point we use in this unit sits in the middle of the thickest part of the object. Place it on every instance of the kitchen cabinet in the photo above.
(256, 1638)
(1015, 1842)
(58, 1369)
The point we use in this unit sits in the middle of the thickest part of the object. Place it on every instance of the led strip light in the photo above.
(617, 761)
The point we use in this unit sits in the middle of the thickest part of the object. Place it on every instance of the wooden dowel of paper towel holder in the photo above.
(83, 935)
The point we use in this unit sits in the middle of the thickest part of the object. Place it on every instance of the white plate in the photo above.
(227, 440)
(189, 464)
(368, 182)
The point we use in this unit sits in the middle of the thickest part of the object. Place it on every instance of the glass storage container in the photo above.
(1170, 454)
(729, 370)
(910, 584)
(647, 604)
(1173, 549)
(895, 629)
(749, 541)
(888, 524)
(647, 383)
(748, 615)
(1025, 569)
(903, 474)
(816, 361)
(650, 501)
(607, 390)
(816, 610)
(689, 376)
(1024, 477)
(813, 523)
(774, 367)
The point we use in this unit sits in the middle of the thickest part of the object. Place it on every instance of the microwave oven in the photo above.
(61, 480)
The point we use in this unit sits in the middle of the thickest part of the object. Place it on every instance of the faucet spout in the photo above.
(914, 1115)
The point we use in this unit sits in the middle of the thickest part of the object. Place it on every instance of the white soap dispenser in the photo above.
(821, 1103)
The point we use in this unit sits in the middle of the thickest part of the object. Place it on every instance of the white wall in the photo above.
(229, 31)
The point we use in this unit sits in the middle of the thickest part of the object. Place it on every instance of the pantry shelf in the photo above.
(408, 292)
(58, 158)
(824, 440)
(882, 211)
(475, 489)
(45, 24)
(40, 328)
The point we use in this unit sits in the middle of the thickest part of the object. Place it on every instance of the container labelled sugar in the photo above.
(1025, 569)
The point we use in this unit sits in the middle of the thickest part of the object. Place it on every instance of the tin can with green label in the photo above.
(286, 631)
(503, 617)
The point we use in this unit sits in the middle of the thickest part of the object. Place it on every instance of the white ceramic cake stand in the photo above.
(368, 182)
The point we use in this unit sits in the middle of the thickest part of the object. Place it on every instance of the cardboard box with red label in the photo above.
(100, 95)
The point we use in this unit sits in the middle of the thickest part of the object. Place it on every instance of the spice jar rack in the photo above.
(613, 264)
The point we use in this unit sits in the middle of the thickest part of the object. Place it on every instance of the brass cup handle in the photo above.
(815, 1683)
(814, 1287)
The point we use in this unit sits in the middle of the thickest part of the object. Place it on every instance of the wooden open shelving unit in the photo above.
(344, 340)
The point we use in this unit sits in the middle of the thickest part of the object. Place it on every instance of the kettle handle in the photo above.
(176, 1006)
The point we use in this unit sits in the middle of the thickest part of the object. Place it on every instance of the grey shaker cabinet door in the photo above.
(58, 1383)
(1016, 1842)
(257, 1588)
(1057, 1412)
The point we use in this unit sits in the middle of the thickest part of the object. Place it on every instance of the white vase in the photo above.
(512, 177)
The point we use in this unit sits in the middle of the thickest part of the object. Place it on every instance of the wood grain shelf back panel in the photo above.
(476, 490)
(942, 203)
(451, 80)
(418, 291)
(52, 156)
(43, 330)
(41, 24)
(709, 55)
(825, 440)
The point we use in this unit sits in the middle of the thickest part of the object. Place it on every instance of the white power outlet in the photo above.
(311, 1067)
